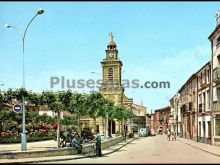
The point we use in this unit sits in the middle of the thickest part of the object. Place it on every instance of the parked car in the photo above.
(152, 133)
(143, 132)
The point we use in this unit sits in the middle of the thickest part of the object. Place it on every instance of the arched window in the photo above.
(110, 74)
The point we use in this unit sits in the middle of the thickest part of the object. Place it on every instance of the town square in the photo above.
(109, 82)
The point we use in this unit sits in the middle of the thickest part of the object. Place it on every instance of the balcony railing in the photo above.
(216, 107)
(216, 75)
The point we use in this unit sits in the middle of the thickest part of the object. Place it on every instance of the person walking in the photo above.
(98, 144)
(168, 134)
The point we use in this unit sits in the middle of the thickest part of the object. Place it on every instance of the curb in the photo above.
(120, 147)
(199, 148)
(63, 159)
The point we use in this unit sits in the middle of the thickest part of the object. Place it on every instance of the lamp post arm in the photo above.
(20, 33)
(26, 30)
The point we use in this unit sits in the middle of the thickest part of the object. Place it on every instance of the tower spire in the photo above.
(111, 45)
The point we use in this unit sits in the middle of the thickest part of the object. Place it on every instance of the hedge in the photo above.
(17, 139)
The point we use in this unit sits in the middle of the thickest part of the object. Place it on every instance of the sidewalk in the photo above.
(105, 151)
(214, 150)
(31, 146)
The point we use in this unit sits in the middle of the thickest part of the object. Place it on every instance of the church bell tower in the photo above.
(111, 73)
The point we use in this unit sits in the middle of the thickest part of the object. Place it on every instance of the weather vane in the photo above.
(111, 35)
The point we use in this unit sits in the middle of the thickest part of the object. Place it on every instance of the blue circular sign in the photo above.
(17, 108)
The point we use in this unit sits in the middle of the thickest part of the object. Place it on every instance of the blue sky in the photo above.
(157, 41)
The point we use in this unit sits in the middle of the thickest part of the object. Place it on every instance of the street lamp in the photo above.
(23, 135)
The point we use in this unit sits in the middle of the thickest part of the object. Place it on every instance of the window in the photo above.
(203, 128)
(217, 127)
(190, 106)
(208, 75)
(218, 57)
(208, 99)
(201, 80)
(161, 118)
(204, 102)
(218, 40)
(218, 93)
(110, 74)
(200, 99)
(199, 129)
(209, 129)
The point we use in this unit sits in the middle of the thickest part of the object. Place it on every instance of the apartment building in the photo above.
(215, 83)
(204, 104)
(188, 105)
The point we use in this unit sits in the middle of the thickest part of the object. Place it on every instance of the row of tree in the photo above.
(79, 105)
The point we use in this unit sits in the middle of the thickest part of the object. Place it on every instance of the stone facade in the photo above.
(160, 120)
(215, 83)
(188, 104)
(204, 104)
(112, 89)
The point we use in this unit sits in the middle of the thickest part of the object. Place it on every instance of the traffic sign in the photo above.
(17, 108)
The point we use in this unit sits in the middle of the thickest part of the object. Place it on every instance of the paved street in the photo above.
(153, 150)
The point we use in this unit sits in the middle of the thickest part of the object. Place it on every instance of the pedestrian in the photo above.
(75, 142)
(168, 134)
(98, 144)
(174, 136)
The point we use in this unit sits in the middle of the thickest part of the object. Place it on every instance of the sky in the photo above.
(157, 41)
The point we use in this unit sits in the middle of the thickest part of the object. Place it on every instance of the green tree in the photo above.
(96, 106)
(9, 95)
(79, 106)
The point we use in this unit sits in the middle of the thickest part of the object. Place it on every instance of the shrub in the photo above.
(30, 138)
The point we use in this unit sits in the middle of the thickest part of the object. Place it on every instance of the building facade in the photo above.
(141, 118)
(161, 120)
(112, 88)
(215, 83)
(188, 105)
(175, 121)
(204, 104)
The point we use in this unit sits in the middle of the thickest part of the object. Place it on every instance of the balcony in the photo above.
(216, 107)
(216, 75)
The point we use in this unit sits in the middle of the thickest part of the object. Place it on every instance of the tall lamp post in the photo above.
(23, 136)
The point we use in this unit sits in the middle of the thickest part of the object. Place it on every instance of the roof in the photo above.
(189, 79)
(208, 63)
(111, 43)
(163, 109)
(214, 33)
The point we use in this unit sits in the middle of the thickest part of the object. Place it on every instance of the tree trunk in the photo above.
(79, 125)
(58, 131)
(111, 127)
(123, 127)
(94, 125)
